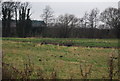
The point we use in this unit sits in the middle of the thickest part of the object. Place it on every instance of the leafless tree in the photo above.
(93, 18)
(47, 15)
(110, 17)
(67, 22)
(93, 21)
(0, 8)
(24, 25)
(7, 14)
(16, 8)
(85, 20)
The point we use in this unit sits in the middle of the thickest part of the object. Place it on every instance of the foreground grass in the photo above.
(64, 60)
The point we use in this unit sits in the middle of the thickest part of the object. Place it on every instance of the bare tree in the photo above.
(66, 22)
(110, 17)
(7, 13)
(85, 19)
(83, 24)
(47, 15)
(24, 25)
(16, 8)
(93, 20)
(0, 8)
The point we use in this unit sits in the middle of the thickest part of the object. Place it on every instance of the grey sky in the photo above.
(76, 8)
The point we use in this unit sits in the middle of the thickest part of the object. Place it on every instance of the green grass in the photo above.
(73, 41)
(17, 50)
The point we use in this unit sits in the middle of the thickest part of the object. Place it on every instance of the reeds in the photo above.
(112, 66)
(85, 70)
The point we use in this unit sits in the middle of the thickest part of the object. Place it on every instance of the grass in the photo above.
(73, 41)
(65, 60)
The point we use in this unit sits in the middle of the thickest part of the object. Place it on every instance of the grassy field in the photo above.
(66, 62)
(74, 41)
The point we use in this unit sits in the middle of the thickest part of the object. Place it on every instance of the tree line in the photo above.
(93, 24)
(20, 12)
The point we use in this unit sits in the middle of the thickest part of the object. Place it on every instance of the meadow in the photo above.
(61, 58)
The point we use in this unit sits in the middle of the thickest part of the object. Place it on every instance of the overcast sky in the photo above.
(76, 7)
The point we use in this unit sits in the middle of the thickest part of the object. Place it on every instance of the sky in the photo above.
(70, 0)
(76, 7)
